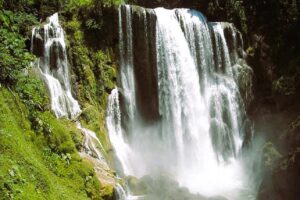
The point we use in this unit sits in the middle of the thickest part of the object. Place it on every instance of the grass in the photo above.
(39, 165)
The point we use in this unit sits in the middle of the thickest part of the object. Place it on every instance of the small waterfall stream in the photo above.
(48, 43)
(53, 65)
(180, 108)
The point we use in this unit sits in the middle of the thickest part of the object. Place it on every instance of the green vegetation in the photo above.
(13, 55)
(94, 69)
(38, 153)
(38, 158)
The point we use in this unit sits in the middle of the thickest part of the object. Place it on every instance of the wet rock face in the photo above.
(262, 64)
(283, 182)
(144, 58)
(293, 135)
(38, 43)
(281, 178)
(56, 55)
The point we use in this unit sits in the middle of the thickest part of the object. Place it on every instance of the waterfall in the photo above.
(48, 44)
(113, 123)
(53, 65)
(180, 108)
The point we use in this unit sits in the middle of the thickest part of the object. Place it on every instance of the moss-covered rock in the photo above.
(284, 180)
(137, 187)
(270, 156)
(108, 192)
(292, 136)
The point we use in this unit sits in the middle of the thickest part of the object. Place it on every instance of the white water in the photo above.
(62, 102)
(57, 80)
(113, 123)
(199, 136)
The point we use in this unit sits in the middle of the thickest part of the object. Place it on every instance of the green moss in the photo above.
(13, 55)
(94, 119)
(40, 165)
(285, 86)
(94, 74)
(270, 156)
(107, 192)
(44, 151)
(73, 5)
(32, 91)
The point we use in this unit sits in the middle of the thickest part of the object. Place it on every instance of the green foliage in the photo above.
(13, 54)
(17, 5)
(89, 65)
(32, 91)
(57, 134)
(92, 187)
(17, 22)
(285, 86)
(95, 76)
(39, 158)
(107, 3)
(30, 168)
(108, 192)
(270, 156)
(236, 13)
(104, 68)
(73, 5)
(250, 51)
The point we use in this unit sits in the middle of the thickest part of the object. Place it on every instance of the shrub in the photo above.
(32, 92)
(13, 53)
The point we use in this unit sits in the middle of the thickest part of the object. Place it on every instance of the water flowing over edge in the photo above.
(48, 43)
(201, 101)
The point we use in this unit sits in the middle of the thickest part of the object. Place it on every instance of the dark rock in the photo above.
(262, 64)
(292, 137)
(283, 182)
(144, 59)
(228, 34)
(248, 133)
(56, 53)
(38, 43)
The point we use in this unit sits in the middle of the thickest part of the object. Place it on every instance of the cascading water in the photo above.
(48, 44)
(53, 65)
(180, 108)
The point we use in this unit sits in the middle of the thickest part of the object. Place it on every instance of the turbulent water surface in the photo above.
(179, 109)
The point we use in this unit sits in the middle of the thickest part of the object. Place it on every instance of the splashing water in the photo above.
(199, 133)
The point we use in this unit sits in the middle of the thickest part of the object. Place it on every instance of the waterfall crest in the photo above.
(197, 86)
